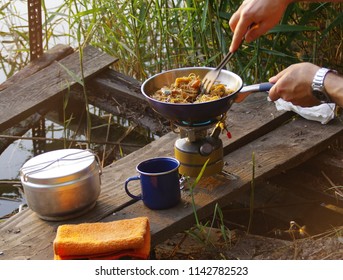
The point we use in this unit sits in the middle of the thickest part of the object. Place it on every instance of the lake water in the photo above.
(18, 16)
(11, 160)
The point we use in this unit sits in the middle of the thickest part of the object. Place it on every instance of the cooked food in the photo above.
(187, 90)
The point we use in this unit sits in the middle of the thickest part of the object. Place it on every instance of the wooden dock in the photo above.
(278, 140)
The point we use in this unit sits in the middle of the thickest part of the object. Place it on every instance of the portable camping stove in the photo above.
(197, 144)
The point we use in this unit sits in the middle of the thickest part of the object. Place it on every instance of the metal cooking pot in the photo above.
(197, 112)
(61, 184)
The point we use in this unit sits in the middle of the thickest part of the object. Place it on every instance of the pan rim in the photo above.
(185, 69)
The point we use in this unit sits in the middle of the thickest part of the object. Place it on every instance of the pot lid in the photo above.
(58, 166)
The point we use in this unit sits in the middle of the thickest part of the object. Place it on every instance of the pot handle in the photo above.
(247, 90)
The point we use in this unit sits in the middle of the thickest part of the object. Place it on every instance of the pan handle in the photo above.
(247, 90)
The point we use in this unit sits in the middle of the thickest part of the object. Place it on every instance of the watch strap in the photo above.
(318, 88)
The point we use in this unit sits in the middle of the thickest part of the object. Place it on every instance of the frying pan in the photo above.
(197, 112)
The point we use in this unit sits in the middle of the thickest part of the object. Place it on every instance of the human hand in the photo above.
(264, 14)
(293, 84)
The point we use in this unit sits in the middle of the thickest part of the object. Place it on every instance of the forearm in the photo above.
(294, 84)
(333, 84)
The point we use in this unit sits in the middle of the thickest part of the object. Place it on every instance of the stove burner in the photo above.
(196, 124)
(197, 145)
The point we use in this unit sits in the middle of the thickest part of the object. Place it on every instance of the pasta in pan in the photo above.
(187, 90)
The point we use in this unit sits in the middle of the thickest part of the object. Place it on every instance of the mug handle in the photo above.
(139, 197)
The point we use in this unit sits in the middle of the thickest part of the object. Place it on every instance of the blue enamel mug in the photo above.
(159, 181)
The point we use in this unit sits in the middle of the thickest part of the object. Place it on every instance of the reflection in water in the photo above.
(11, 197)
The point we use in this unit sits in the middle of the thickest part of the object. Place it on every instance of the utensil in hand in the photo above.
(210, 78)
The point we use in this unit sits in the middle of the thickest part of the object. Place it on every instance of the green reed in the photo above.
(151, 36)
(156, 35)
(202, 230)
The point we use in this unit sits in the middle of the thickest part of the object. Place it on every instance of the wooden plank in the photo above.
(250, 119)
(121, 96)
(44, 87)
(19, 228)
(281, 149)
(26, 236)
(56, 53)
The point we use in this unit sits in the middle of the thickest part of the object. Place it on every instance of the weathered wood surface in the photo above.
(276, 147)
(43, 88)
(56, 53)
(121, 95)
(279, 150)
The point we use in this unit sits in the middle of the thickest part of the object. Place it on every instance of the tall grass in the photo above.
(156, 35)
(152, 36)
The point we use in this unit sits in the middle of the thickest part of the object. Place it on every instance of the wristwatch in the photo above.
(318, 89)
